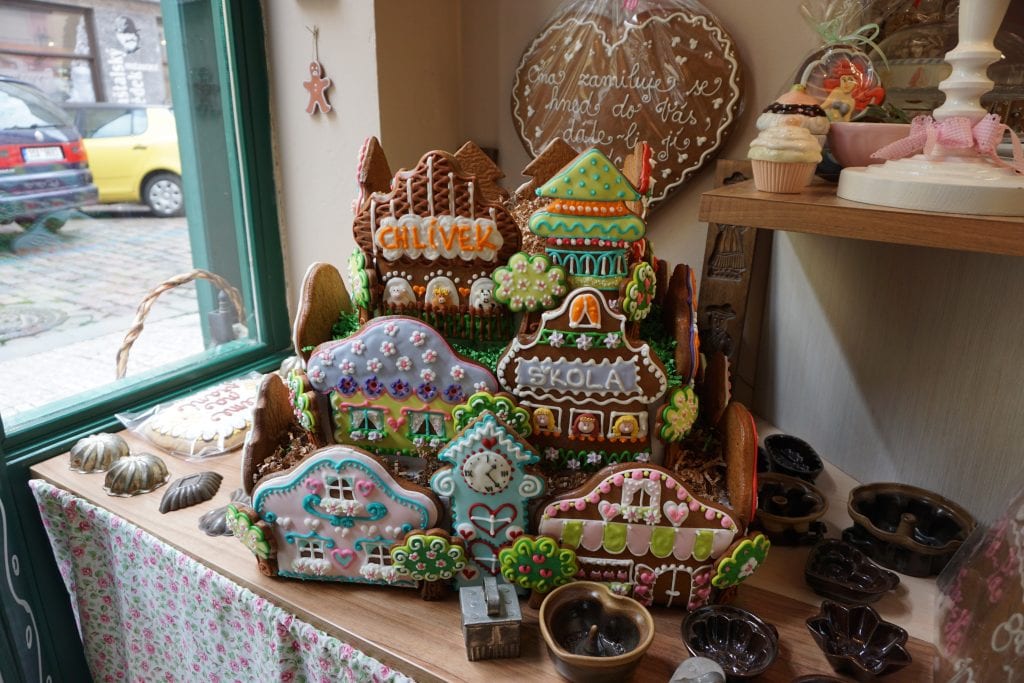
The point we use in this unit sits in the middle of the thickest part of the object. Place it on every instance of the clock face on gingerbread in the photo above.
(487, 472)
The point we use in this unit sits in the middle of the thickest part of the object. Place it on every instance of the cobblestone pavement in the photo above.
(95, 271)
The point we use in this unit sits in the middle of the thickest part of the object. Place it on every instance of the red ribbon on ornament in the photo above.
(955, 133)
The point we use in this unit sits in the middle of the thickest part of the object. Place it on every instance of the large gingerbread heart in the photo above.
(492, 521)
(670, 78)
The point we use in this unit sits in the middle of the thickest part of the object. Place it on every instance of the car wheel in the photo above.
(162, 194)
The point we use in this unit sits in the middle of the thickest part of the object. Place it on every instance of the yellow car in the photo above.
(133, 154)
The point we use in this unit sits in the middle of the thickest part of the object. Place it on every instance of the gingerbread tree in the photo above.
(539, 564)
(431, 558)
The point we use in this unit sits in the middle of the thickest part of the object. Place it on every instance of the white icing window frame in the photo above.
(631, 488)
(379, 554)
(312, 549)
(339, 487)
(574, 412)
(641, 419)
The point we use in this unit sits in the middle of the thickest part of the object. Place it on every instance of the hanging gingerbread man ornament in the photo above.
(317, 84)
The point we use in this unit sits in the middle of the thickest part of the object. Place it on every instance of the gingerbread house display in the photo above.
(393, 384)
(488, 486)
(592, 386)
(334, 517)
(428, 244)
(638, 528)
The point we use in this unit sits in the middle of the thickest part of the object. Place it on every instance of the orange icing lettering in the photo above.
(465, 238)
(383, 234)
(483, 241)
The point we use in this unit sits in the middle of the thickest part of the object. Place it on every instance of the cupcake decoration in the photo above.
(798, 104)
(784, 157)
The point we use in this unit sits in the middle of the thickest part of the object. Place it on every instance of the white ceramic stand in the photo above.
(950, 180)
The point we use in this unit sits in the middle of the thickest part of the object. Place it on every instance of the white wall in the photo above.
(897, 363)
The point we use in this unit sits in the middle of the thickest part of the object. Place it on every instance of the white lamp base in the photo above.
(968, 185)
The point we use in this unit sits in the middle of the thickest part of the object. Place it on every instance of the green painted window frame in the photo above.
(37, 606)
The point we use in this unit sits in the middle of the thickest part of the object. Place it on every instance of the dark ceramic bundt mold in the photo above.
(857, 642)
(795, 457)
(742, 644)
(839, 571)
(788, 509)
(905, 528)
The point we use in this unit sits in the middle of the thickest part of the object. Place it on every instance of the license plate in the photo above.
(33, 154)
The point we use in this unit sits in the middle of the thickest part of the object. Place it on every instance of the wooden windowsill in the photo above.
(424, 639)
(817, 210)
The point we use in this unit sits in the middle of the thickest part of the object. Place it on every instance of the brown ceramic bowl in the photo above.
(837, 570)
(742, 644)
(905, 528)
(852, 143)
(624, 626)
(857, 642)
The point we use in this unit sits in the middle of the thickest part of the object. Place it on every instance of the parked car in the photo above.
(43, 168)
(133, 154)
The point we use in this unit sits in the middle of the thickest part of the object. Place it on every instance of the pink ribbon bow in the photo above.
(955, 133)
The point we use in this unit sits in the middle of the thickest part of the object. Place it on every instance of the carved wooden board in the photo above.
(732, 287)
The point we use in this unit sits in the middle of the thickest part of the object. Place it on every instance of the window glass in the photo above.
(96, 227)
(120, 126)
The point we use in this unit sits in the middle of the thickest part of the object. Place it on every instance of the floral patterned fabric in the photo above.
(147, 612)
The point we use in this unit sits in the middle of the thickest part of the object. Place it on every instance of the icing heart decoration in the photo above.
(622, 92)
(608, 511)
(675, 512)
(469, 573)
(419, 289)
(492, 521)
(513, 532)
(545, 573)
(464, 291)
(343, 556)
(485, 555)
(466, 531)
(365, 487)
(396, 422)
(489, 442)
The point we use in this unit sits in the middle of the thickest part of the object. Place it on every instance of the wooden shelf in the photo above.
(424, 640)
(817, 210)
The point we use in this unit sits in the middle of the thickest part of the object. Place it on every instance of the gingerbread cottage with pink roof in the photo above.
(638, 528)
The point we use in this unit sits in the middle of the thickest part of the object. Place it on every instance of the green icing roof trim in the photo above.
(547, 224)
(488, 353)
(590, 177)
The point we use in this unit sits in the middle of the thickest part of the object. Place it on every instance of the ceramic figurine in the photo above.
(488, 488)
(698, 670)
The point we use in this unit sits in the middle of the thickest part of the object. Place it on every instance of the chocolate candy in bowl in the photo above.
(857, 642)
(795, 457)
(135, 474)
(906, 528)
(594, 635)
(837, 570)
(788, 509)
(742, 644)
(96, 453)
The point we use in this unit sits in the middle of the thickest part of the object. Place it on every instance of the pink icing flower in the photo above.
(480, 386)
(551, 453)
(611, 340)
(358, 347)
(404, 363)
(428, 375)
(556, 338)
(520, 266)
(388, 348)
(458, 372)
(418, 338)
(583, 342)
(374, 364)
(429, 356)
(391, 329)
(347, 367)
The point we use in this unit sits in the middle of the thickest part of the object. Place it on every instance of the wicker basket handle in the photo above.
(150, 299)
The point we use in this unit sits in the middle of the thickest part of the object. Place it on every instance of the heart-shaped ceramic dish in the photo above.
(837, 570)
(625, 630)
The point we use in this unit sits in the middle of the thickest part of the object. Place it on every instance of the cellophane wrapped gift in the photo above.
(614, 73)
(840, 73)
(980, 616)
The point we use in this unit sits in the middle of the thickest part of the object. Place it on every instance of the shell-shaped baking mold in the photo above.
(134, 474)
(191, 489)
(96, 453)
